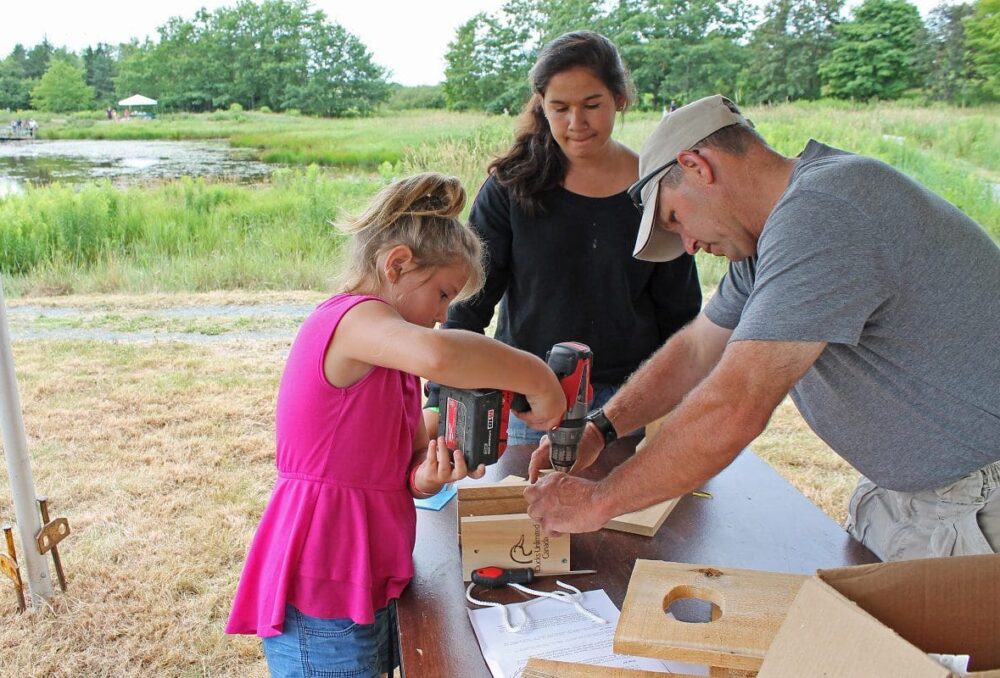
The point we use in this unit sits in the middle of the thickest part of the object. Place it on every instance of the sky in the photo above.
(409, 37)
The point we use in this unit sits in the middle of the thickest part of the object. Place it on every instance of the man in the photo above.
(873, 301)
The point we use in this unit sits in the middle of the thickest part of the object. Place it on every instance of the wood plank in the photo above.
(510, 541)
(646, 521)
(490, 499)
(748, 607)
(548, 668)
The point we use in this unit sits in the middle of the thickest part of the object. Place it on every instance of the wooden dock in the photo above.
(8, 135)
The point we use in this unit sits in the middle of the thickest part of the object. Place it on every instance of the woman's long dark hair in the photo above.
(535, 164)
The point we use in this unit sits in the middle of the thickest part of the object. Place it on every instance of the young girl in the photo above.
(335, 543)
(554, 216)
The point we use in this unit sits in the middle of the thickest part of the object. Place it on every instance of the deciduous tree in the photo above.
(982, 41)
(62, 89)
(877, 53)
(787, 47)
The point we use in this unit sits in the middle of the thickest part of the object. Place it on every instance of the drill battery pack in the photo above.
(475, 422)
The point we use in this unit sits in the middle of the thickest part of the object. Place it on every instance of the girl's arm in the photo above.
(373, 333)
(491, 220)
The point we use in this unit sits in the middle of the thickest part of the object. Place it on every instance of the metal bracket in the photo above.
(8, 565)
(52, 532)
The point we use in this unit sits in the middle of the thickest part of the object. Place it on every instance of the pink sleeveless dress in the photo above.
(336, 539)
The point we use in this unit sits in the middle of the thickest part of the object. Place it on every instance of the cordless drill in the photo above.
(475, 420)
(571, 361)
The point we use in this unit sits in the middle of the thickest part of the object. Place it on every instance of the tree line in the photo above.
(276, 54)
(681, 50)
(281, 55)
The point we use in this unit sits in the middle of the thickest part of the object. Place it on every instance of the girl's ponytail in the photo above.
(420, 212)
(422, 195)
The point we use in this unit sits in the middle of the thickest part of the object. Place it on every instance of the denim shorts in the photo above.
(310, 647)
(519, 433)
(962, 518)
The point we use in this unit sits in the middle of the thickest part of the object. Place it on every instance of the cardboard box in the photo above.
(883, 619)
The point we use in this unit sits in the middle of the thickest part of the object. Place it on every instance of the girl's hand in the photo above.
(547, 407)
(441, 467)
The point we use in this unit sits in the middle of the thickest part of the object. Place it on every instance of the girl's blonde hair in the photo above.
(420, 212)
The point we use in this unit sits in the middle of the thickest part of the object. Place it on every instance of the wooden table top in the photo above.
(754, 520)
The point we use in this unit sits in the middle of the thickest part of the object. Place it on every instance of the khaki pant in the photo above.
(959, 519)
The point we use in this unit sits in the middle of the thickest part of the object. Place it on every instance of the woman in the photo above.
(559, 230)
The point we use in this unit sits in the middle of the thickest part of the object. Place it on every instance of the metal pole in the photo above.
(22, 484)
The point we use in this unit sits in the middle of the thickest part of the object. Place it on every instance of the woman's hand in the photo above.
(440, 467)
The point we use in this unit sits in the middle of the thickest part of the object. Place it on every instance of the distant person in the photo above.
(110, 112)
(872, 300)
(559, 230)
(673, 106)
(334, 546)
(32, 126)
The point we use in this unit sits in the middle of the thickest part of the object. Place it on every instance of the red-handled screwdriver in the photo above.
(495, 577)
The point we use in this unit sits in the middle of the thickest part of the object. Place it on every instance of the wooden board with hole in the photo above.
(548, 668)
(748, 606)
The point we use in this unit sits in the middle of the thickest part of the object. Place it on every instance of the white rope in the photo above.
(503, 610)
(573, 599)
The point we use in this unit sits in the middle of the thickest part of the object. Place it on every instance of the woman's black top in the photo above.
(569, 275)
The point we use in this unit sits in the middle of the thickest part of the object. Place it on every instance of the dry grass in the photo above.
(790, 446)
(161, 457)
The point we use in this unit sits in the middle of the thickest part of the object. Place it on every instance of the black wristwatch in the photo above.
(603, 425)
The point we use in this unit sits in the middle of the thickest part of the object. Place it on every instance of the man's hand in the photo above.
(561, 503)
(590, 447)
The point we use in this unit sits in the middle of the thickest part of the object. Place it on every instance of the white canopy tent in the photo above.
(137, 100)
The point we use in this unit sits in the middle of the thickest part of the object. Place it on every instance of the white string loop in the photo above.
(573, 596)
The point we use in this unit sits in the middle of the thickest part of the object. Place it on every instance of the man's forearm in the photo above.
(669, 375)
(696, 441)
(710, 427)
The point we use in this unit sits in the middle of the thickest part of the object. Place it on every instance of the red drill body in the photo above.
(475, 420)
(572, 362)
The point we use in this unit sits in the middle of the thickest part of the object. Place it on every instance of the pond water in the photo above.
(124, 163)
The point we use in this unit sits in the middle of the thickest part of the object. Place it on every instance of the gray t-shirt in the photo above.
(906, 290)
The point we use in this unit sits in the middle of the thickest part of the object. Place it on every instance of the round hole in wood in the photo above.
(693, 605)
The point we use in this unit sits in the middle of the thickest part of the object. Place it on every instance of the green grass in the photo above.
(291, 139)
(186, 235)
(193, 235)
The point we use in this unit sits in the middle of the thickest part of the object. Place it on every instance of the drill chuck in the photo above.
(564, 442)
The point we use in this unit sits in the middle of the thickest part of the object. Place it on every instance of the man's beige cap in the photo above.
(678, 131)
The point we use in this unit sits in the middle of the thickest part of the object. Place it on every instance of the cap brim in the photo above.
(653, 243)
